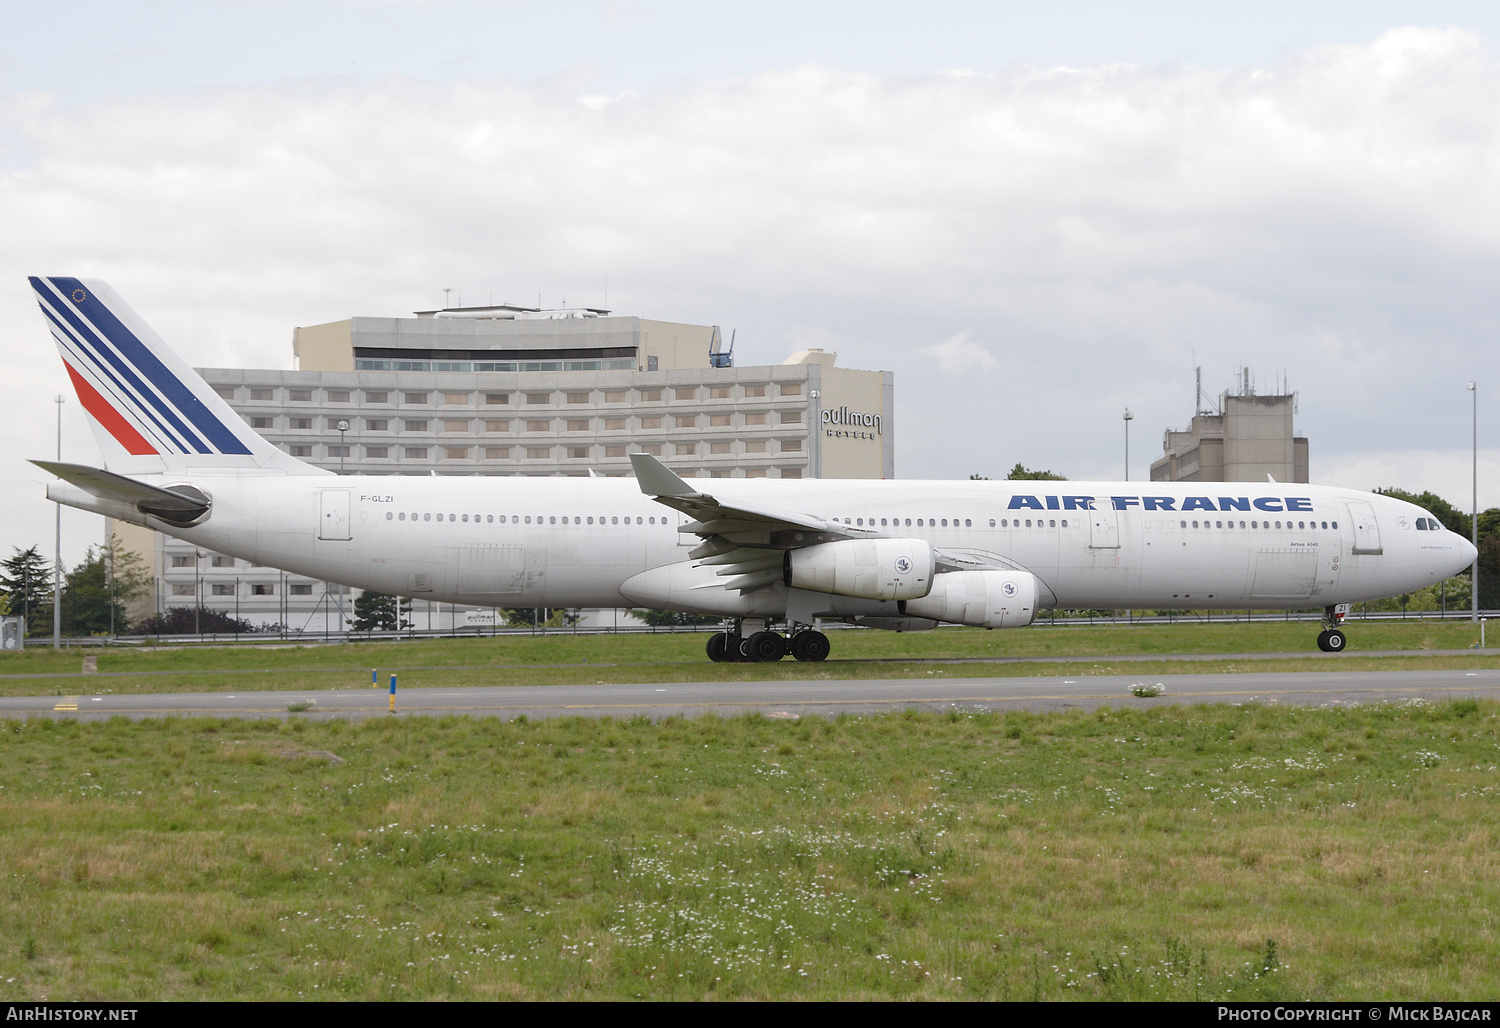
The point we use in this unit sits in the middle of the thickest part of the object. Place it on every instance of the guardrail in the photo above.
(310, 638)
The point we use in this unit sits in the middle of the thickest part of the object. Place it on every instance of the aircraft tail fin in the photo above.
(150, 411)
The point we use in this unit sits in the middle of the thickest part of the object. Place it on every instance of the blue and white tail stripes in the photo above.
(150, 410)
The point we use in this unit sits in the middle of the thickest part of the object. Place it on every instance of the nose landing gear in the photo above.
(1331, 639)
(766, 645)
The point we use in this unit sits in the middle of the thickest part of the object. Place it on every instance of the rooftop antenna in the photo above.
(446, 290)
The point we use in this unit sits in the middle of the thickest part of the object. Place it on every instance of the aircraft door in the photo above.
(1366, 528)
(333, 520)
(1104, 525)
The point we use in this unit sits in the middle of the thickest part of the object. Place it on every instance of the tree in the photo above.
(27, 583)
(381, 612)
(547, 617)
(665, 618)
(98, 589)
(1021, 473)
(185, 621)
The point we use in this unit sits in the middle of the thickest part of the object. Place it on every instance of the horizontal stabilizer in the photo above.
(182, 506)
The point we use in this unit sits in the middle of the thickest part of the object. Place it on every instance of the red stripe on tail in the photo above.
(101, 411)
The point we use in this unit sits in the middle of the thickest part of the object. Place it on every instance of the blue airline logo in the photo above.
(1273, 504)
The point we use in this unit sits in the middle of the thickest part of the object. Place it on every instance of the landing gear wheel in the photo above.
(765, 646)
(810, 645)
(718, 647)
(1335, 642)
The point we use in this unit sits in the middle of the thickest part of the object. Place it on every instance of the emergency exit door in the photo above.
(334, 520)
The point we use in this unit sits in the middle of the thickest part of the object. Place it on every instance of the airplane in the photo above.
(771, 557)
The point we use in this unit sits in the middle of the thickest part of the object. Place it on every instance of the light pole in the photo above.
(1474, 522)
(57, 563)
(198, 592)
(1129, 417)
(343, 427)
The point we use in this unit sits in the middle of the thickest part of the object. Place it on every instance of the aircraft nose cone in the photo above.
(1469, 553)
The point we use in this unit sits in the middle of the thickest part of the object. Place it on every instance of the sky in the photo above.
(1034, 215)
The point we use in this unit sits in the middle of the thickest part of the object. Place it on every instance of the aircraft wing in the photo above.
(749, 541)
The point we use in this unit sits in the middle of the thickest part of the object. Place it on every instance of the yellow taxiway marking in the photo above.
(67, 703)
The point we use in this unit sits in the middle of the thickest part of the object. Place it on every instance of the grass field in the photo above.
(1195, 853)
(568, 659)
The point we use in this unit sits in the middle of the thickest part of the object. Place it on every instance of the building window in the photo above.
(615, 396)
(719, 473)
(376, 451)
(538, 399)
(687, 394)
(538, 426)
(718, 447)
(300, 396)
(791, 445)
(181, 562)
(578, 452)
(579, 425)
(685, 448)
(756, 446)
(756, 473)
(719, 393)
(755, 419)
(614, 424)
(455, 399)
(791, 389)
(578, 397)
(301, 451)
(261, 394)
(497, 426)
(651, 422)
(413, 397)
(265, 589)
(455, 452)
(415, 453)
(538, 452)
(223, 590)
(614, 451)
(497, 453)
(455, 426)
(371, 397)
(338, 396)
(376, 424)
(651, 396)
(339, 451)
(791, 417)
(221, 561)
(718, 420)
(182, 590)
(654, 449)
(496, 399)
(414, 426)
(260, 423)
(791, 472)
(297, 589)
(759, 390)
(225, 392)
(687, 422)
(303, 423)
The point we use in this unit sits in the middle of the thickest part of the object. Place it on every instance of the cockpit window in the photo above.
(1421, 524)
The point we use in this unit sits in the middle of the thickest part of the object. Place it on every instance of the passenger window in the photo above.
(992, 522)
(968, 523)
(1028, 522)
(1182, 524)
(1050, 524)
(389, 515)
(1065, 522)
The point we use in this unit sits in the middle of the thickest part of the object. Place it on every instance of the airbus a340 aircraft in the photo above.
(769, 556)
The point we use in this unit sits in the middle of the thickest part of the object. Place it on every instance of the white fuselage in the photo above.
(601, 543)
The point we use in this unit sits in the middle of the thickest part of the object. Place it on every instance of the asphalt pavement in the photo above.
(938, 691)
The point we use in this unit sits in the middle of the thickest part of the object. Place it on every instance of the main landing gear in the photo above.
(1331, 638)
(764, 644)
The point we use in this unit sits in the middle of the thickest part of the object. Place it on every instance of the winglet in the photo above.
(656, 479)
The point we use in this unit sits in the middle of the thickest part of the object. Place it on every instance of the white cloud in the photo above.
(958, 355)
(1335, 217)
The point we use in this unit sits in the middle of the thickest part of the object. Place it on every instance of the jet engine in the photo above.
(984, 599)
(870, 569)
